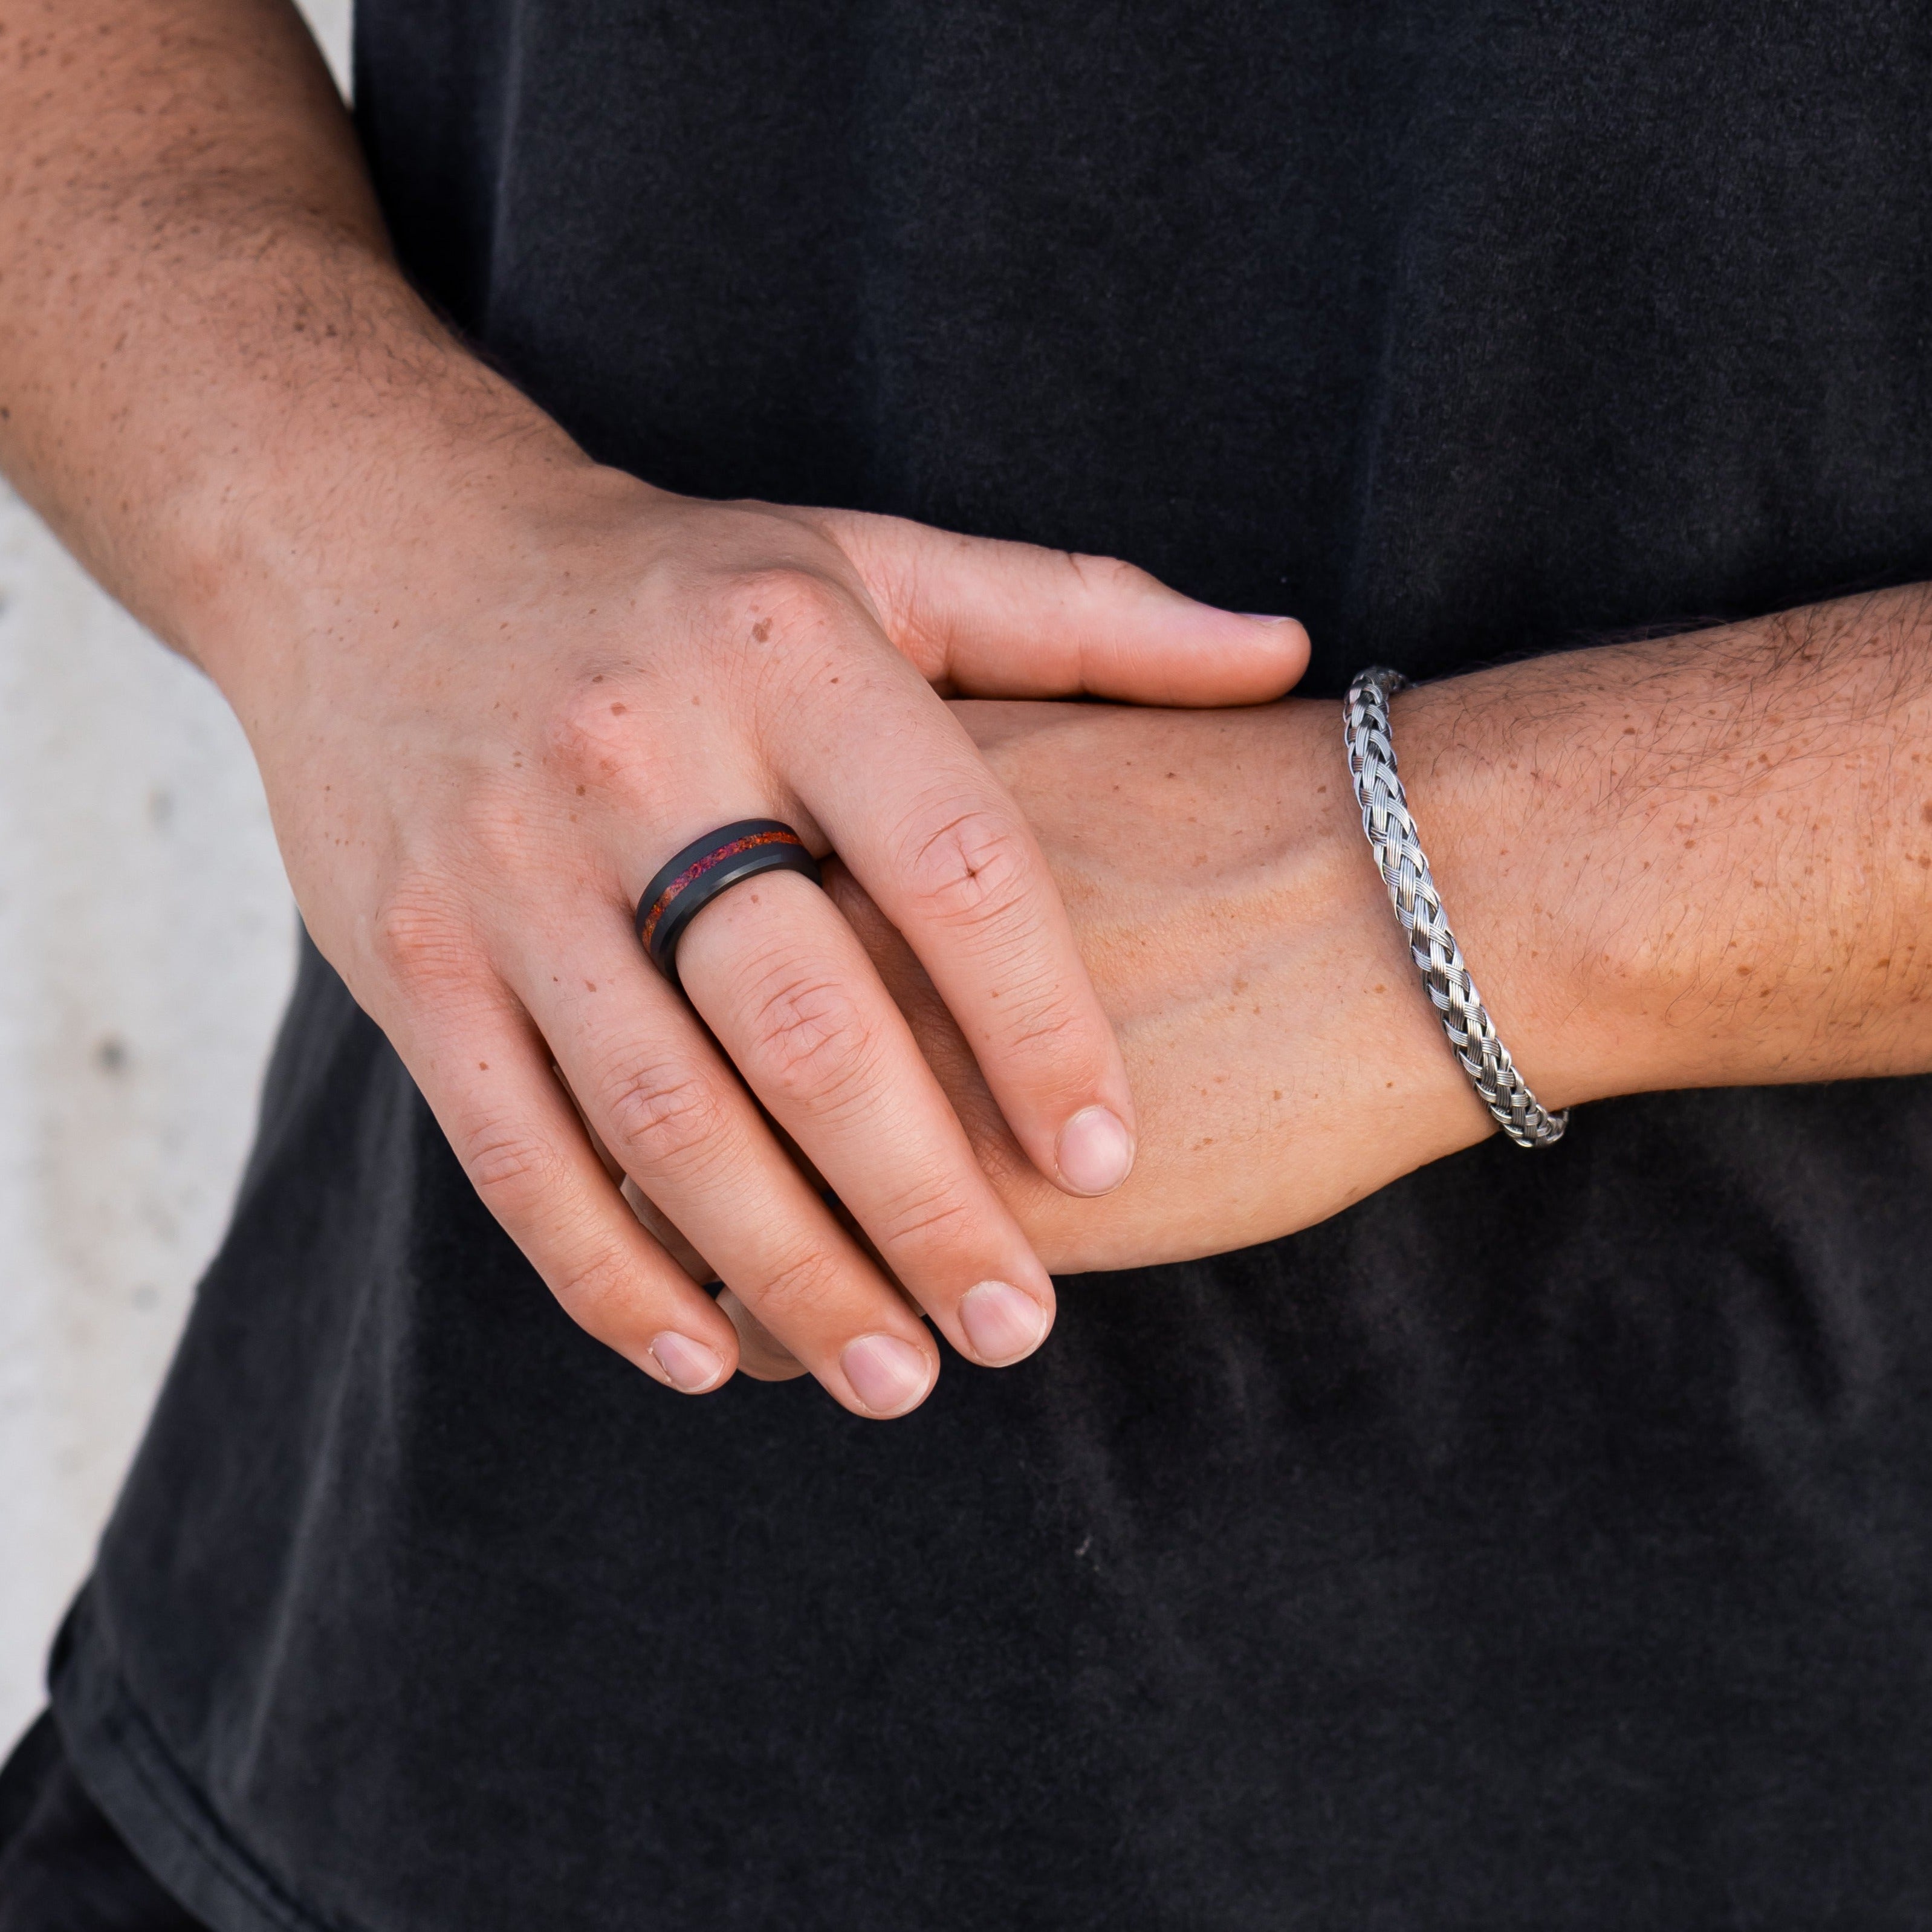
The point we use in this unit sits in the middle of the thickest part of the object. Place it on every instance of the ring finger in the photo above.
(784, 985)
(660, 1096)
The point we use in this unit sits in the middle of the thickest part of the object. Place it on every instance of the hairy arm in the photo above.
(1708, 859)
(214, 382)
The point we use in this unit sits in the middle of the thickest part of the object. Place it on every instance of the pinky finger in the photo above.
(656, 1223)
(516, 1131)
(761, 1355)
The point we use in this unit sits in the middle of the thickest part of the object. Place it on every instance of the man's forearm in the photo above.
(1701, 860)
(207, 353)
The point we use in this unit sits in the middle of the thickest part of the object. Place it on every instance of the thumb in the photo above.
(986, 619)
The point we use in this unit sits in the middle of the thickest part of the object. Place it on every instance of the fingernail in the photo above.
(1263, 617)
(688, 1366)
(1002, 1323)
(888, 1375)
(1095, 1151)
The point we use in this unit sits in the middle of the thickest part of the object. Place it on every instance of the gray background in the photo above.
(146, 942)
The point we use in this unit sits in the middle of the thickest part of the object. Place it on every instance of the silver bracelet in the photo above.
(1398, 851)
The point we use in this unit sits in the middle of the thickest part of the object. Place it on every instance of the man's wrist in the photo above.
(1692, 861)
(374, 524)
(1525, 858)
(341, 442)
(1325, 879)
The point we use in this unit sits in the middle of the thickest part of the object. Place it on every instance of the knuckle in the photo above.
(1045, 1020)
(781, 627)
(797, 1288)
(588, 734)
(933, 1215)
(516, 1171)
(667, 1117)
(970, 869)
(596, 1290)
(1109, 576)
(780, 604)
(809, 1038)
(417, 938)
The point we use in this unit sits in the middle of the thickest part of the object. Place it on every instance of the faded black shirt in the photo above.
(1543, 1543)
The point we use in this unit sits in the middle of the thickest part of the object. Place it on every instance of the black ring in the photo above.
(684, 885)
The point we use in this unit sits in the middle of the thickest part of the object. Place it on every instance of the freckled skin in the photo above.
(1704, 859)
(491, 683)
(1789, 938)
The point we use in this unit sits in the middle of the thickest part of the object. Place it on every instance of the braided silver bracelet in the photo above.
(1398, 851)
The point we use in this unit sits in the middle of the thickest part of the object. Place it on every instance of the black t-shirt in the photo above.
(1544, 1542)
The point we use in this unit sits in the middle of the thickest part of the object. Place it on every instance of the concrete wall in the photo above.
(146, 943)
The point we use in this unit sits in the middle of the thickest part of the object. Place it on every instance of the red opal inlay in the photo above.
(692, 873)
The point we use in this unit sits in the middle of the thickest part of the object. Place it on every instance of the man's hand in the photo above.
(1705, 860)
(492, 687)
(474, 774)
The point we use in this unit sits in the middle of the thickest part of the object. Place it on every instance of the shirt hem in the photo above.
(168, 1824)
